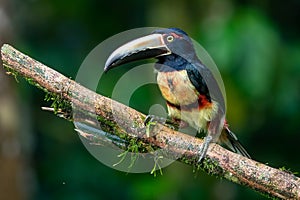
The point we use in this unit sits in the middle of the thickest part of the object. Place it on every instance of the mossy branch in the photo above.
(122, 123)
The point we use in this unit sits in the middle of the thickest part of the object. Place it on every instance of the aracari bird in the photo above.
(188, 86)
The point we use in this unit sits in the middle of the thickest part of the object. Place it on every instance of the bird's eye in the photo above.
(170, 38)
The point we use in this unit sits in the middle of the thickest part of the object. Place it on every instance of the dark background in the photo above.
(255, 45)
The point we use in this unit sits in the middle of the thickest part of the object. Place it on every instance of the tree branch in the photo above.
(119, 123)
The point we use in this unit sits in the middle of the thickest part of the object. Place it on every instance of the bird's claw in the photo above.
(172, 124)
(204, 147)
(152, 118)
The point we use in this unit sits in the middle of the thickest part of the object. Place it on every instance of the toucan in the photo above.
(190, 89)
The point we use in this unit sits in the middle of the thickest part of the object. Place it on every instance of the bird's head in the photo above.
(161, 44)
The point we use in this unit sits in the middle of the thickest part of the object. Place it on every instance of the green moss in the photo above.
(133, 148)
(135, 124)
(288, 170)
(143, 117)
(230, 177)
(157, 165)
(105, 121)
(148, 127)
(186, 160)
(210, 166)
(32, 82)
(11, 72)
(59, 105)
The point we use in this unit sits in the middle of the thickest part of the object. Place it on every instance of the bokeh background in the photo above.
(255, 44)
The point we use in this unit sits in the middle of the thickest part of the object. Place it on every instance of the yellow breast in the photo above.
(176, 87)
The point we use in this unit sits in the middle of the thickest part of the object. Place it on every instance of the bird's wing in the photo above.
(205, 83)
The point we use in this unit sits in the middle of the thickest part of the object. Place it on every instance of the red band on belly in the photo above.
(201, 103)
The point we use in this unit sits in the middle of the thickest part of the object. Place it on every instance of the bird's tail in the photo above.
(230, 140)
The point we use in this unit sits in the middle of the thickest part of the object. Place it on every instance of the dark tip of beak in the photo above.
(109, 65)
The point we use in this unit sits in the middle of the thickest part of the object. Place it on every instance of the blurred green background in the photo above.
(255, 44)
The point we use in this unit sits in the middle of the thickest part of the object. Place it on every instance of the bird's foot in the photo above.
(153, 119)
(204, 147)
(171, 123)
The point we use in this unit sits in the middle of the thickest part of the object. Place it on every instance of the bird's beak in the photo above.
(149, 46)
